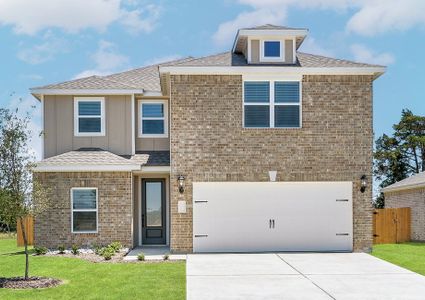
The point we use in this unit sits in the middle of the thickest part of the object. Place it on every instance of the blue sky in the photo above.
(46, 41)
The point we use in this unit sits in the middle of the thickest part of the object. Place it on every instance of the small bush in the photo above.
(75, 250)
(116, 246)
(40, 250)
(141, 256)
(61, 249)
(108, 252)
(166, 256)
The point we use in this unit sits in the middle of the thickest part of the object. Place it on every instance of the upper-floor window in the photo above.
(271, 51)
(153, 121)
(272, 104)
(89, 116)
(84, 210)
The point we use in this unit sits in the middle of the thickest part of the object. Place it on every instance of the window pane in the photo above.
(271, 49)
(84, 221)
(84, 199)
(287, 92)
(287, 116)
(153, 203)
(153, 126)
(153, 110)
(257, 116)
(257, 91)
(89, 108)
(89, 125)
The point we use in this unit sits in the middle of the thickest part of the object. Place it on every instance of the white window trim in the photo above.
(271, 103)
(77, 116)
(280, 58)
(84, 210)
(141, 118)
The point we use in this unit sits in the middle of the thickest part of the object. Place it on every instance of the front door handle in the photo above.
(143, 220)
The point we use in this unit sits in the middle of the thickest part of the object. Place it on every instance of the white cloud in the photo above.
(30, 17)
(310, 45)
(227, 30)
(370, 16)
(44, 51)
(379, 16)
(363, 54)
(106, 60)
(158, 60)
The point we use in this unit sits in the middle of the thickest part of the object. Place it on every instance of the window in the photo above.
(274, 104)
(271, 49)
(84, 210)
(89, 116)
(153, 118)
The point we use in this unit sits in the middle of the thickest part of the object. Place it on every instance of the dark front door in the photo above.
(153, 211)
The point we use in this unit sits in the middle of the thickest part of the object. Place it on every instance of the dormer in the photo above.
(269, 44)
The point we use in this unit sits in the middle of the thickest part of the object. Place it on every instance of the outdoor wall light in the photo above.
(180, 180)
(363, 183)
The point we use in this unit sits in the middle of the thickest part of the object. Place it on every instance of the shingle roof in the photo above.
(417, 180)
(86, 156)
(145, 78)
(148, 78)
(303, 60)
(151, 158)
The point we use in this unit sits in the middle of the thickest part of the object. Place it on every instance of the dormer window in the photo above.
(272, 49)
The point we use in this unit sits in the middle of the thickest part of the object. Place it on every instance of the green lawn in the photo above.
(86, 280)
(407, 255)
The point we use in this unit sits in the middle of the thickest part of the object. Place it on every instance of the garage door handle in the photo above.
(201, 201)
(273, 223)
(270, 223)
(201, 235)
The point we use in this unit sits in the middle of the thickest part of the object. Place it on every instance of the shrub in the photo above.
(166, 256)
(108, 252)
(61, 249)
(75, 250)
(40, 250)
(116, 246)
(141, 256)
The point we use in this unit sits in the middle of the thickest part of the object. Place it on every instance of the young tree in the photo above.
(19, 197)
(398, 156)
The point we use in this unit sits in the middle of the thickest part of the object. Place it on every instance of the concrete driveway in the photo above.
(299, 276)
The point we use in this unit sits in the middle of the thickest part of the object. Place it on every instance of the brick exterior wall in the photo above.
(415, 199)
(208, 142)
(53, 227)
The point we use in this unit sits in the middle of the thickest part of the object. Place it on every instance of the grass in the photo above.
(86, 280)
(407, 255)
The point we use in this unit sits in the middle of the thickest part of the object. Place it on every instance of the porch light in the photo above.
(180, 180)
(363, 183)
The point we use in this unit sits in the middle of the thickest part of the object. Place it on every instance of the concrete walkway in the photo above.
(153, 253)
(299, 276)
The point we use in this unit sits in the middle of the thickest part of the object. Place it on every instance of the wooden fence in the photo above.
(29, 230)
(391, 225)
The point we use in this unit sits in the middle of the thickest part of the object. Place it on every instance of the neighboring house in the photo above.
(185, 153)
(409, 192)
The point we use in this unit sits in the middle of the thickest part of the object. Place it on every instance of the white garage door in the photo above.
(272, 216)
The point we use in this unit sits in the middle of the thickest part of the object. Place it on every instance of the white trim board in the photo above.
(86, 168)
(271, 70)
(46, 91)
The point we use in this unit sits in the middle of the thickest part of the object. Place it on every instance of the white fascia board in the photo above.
(403, 188)
(85, 168)
(270, 70)
(152, 94)
(156, 169)
(36, 92)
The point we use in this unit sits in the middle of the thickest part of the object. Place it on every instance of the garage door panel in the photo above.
(308, 216)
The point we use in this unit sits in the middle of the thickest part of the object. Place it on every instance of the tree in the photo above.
(19, 196)
(399, 156)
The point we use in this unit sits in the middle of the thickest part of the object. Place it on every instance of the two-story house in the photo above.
(261, 148)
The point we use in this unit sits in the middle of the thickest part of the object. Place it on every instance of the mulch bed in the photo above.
(118, 257)
(31, 283)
